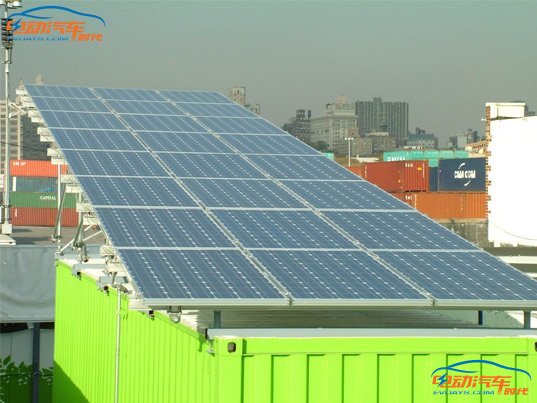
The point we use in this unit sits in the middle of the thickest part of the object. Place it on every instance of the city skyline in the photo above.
(445, 59)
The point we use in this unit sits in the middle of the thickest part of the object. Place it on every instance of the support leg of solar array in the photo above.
(79, 241)
(527, 319)
(217, 320)
(58, 225)
(480, 320)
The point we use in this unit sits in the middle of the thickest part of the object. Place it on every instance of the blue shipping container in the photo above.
(33, 184)
(461, 174)
(433, 179)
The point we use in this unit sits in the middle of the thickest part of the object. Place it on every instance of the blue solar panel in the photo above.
(175, 250)
(240, 125)
(241, 193)
(226, 110)
(196, 96)
(69, 104)
(144, 107)
(104, 191)
(177, 228)
(267, 144)
(81, 120)
(311, 275)
(59, 91)
(123, 94)
(301, 167)
(113, 163)
(197, 275)
(88, 139)
(469, 275)
(163, 123)
(209, 166)
(358, 194)
(183, 142)
(385, 230)
(282, 229)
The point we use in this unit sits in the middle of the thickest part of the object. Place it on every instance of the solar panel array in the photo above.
(209, 204)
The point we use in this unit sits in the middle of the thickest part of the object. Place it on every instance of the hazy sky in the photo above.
(445, 58)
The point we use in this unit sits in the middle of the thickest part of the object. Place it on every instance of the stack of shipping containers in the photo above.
(33, 196)
(442, 184)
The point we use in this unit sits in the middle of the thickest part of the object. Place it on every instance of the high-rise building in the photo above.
(337, 124)
(238, 95)
(382, 141)
(380, 116)
(300, 125)
(460, 141)
(422, 140)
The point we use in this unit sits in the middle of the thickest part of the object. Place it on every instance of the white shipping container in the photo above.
(513, 189)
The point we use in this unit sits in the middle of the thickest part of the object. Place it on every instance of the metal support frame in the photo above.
(61, 201)
(527, 319)
(217, 319)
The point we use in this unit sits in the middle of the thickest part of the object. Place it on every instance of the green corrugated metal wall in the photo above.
(165, 362)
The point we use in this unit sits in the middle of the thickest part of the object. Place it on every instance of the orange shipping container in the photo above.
(42, 169)
(398, 176)
(357, 169)
(42, 217)
(447, 205)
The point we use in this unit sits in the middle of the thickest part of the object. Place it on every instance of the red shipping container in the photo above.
(42, 217)
(42, 169)
(357, 169)
(447, 205)
(398, 176)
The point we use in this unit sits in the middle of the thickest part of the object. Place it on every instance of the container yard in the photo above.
(34, 195)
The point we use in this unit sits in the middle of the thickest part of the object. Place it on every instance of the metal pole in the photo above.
(59, 217)
(349, 162)
(6, 228)
(36, 351)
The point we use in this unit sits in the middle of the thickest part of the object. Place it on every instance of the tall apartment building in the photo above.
(337, 124)
(422, 140)
(238, 95)
(460, 141)
(300, 125)
(380, 116)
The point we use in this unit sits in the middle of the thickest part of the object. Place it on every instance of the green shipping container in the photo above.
(162, 361)
(432, 156)
(40, 200)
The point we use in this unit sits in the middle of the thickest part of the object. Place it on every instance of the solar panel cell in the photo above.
(178, 228)
(113, 163)
(282, 229)
(195, 275)
(241, 193)
(209, 166)
(323, 275)
(397, 230)
(159, 192)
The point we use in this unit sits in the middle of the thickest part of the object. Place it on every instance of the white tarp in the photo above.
(27, 283)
